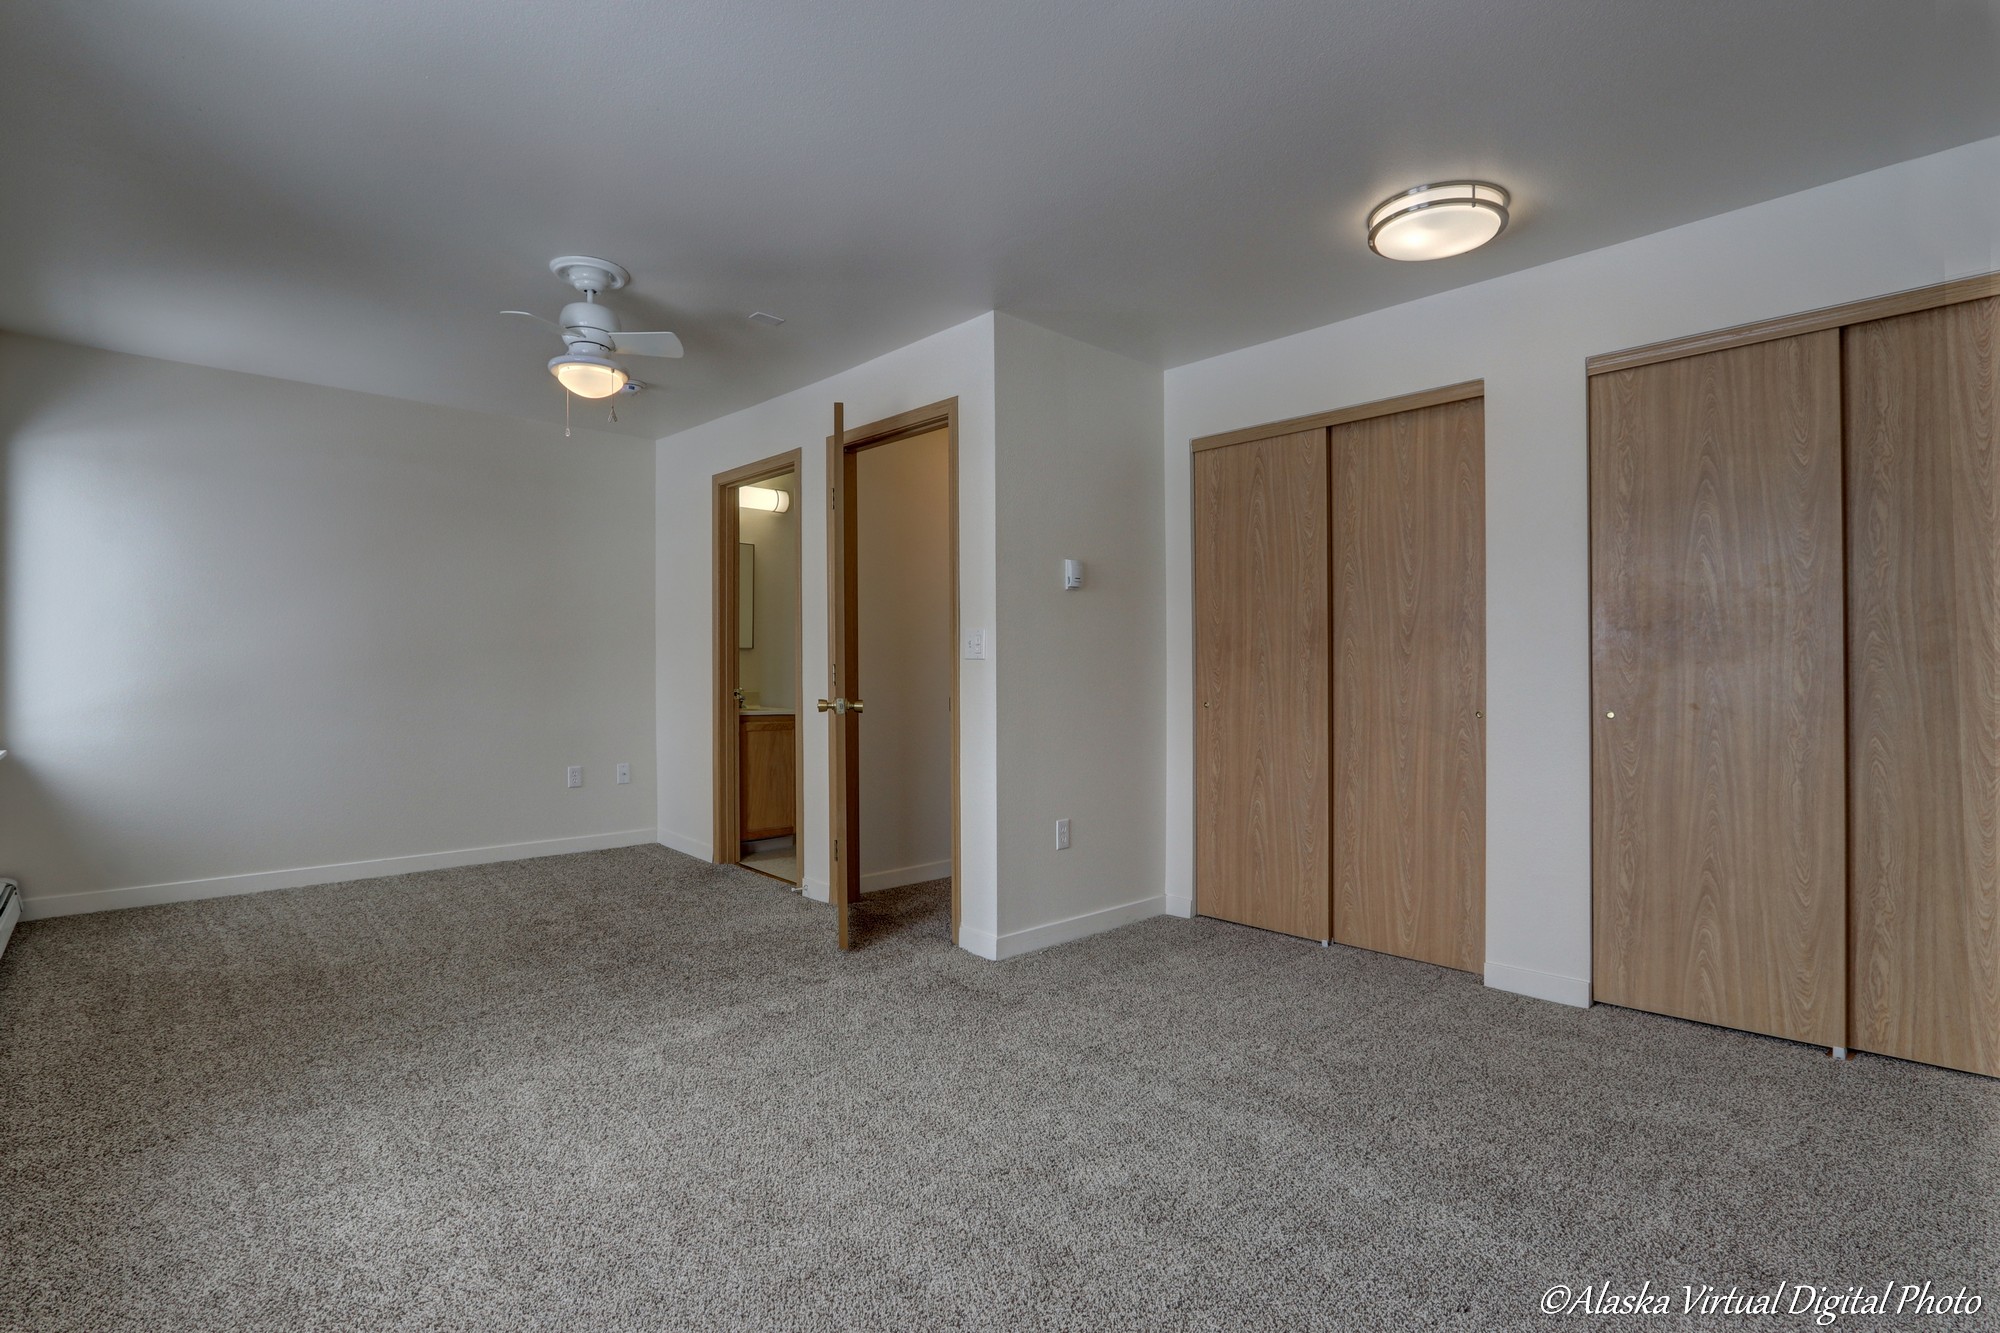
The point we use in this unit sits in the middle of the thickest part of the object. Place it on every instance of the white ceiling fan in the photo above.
(591, 333)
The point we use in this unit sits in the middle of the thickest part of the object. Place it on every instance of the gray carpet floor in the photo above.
(625, 1090)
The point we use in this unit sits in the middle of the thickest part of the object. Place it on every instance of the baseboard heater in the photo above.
(10, 910)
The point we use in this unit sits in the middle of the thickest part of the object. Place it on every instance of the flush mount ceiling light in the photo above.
(1438, 221)
(768, 498)
(588, 376)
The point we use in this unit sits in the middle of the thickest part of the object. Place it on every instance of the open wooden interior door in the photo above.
(843, 705)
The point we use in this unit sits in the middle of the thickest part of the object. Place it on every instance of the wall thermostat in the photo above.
(1072, 575)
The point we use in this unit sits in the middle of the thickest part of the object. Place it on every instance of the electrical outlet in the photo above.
(1062, 835)
(575, 776)
(624, 773)
(975, 645)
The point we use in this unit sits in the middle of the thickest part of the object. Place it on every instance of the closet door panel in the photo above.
(1923, 469)
(1718, 689)
(1261, 708)
(1409, 672)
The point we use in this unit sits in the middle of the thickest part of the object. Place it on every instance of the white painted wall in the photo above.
(902, 499)
(259, 633)
(957, 362)
(1527, 335)
(1080, 476)
(768, 671)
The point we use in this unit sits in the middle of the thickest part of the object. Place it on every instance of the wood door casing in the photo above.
(1719, 788)
(1262, 723)
(1923, 510)
(1409, 679)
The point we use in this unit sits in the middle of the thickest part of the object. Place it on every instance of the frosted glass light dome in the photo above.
(1438, 221)
(588, 376)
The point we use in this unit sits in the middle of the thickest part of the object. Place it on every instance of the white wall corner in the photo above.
(698, 848)
(819, 890)
(1573, 991)
(1180, 906)
(979, 943)
(1080, 475)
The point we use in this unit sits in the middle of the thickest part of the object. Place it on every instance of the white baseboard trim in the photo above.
(1179, 906)
(878, 880)
(698, 848)
(1573, 991)
(979, 943)
(223, 886)
(821, 891)
(1014, 943)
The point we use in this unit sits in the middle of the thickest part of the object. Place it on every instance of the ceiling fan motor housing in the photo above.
(585, 322)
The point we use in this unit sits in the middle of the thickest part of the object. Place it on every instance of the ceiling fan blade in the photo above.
(547, 324)
(647, 344)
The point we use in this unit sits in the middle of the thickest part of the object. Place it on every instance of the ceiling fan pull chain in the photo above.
(566, 412)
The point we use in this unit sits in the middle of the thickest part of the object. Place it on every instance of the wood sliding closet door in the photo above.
(1923, 511)
(1409, 679)
(1261, 637)
(1719, 837)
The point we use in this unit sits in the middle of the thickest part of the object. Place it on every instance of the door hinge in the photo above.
(836, 849)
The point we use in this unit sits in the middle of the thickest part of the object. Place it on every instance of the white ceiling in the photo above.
(344, 192)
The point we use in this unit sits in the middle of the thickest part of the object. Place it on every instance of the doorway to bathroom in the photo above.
(758, 747)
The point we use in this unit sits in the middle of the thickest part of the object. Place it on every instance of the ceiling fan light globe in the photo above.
(588, 376)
